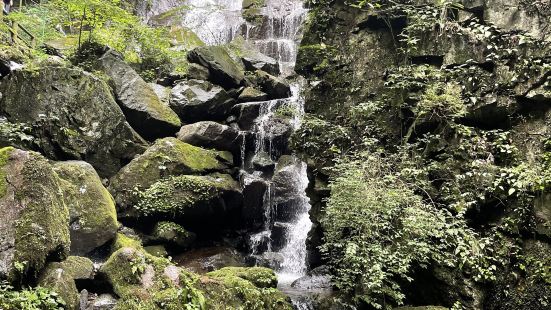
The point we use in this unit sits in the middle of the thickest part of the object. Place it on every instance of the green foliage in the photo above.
(37, 298)
(377, 228)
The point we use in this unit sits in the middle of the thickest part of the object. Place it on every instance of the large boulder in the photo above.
(73, 116)
(250, 94)
(35, 220)
(209, 259)
(60, 277)
(147, 282)
(169, 232)
(223, 70)
(167, 157)
(197, 201)
(93, 217)
(211, 135)
(143, 109)
(275, 87)
(196, 100)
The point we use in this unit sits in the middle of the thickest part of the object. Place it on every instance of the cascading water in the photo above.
(280, 241)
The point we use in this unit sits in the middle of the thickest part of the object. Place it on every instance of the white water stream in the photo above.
(276, 35)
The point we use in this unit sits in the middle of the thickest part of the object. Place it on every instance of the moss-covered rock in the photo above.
(139, 278)
(60, 277)
(193, 199)
(233, 288)
(141, 105)
(156, 250)
(123, 241)
(35, 219)
(259, 276)
(169, 232)
(223, 69)
(167, 157)
(93, 216)
(73, 115)
(55, 278)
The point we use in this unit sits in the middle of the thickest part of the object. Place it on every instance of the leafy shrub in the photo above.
(377, 229)
(37, 298)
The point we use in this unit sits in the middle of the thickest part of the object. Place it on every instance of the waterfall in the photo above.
(280, 240)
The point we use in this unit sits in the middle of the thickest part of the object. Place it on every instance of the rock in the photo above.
(198, 201)
(542, 212)
(261, 62)
(289, 210)
(197, 100)
(197, 72)
(318, 280)
(259, 276)
(60, 278)
(278, 236)
(254, 191)
(169, 232)
(163, 92)
(210, 259)
(285, 172)
(144, 281)
(223, 70)
(103, 302)
(139, 102)
(73, 116)
(35, 220)
(515, 15)
(526, 290)
(275, 87)
(246, 114)
(422, 308)
(156, 250)
(167, 157)
(55, 278)
(126, 239)
(251, 94)
(211, 135)
(93, 217)
(263, 162)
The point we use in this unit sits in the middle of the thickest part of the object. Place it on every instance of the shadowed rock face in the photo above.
(211, 135)
(196, 101)
(141, 105)
(73, 116)
(223, 70)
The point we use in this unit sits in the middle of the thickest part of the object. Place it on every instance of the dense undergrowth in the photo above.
(66, 25)
(417, 178)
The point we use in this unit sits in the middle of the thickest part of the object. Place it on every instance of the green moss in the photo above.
(4, 157)
(174, 233)
(173, 196)
(259, 276)
(142, 282)
(42, 230)
(78, 267)
(234, 288)
(123, 241)
(90, 205)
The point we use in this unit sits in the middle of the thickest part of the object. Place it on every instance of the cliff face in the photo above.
(460, 92)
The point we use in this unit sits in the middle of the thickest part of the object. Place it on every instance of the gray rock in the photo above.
(246, 114)
(197, 72)
(197, 100)
(141, 105)
(261, 62)
(223, 70)
(275, 87)
(73, 116)
(211, 135)
(93, 217)
(167, 157)
(103, 302)
(250, 94)
(35, 219)
(209, 259)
